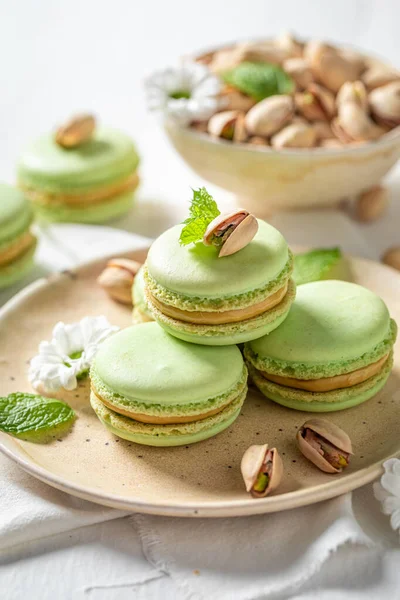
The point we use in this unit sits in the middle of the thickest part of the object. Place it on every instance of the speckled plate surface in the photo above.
(199, 480)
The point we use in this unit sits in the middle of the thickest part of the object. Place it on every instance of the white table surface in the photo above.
(60, 57)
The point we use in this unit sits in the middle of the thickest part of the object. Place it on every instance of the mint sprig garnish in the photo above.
(203, 210)
(259, 80)
(315, 265)
(34, 418)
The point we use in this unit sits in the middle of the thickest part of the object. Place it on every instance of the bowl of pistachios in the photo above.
(283, 123)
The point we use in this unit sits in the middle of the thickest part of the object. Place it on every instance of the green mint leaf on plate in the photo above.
(203, 210)
(316, 265)
(34, 418)
(259, 80)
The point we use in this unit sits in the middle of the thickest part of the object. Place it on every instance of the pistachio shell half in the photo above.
(324, 444)
(353, 91)
(118, 277)
(385, 104)
(228, 125)
(377, 75)
(353, 123)
(262, 470)
(269, 115)
(316, 103)
(330, 66)
(231, 232)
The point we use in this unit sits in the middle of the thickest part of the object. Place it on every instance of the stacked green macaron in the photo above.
(154, 389)
(89, 183)
(334, 350)
(205, 299)
(17, 243)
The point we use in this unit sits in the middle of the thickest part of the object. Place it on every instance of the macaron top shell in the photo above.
(15, 212)
(330, 321)
(145, 363)
(195, 270)
(110, 155)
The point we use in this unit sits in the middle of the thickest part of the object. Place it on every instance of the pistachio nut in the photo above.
(233, 99)
(117, 279)
(228, 125)
(231, 232)
(324, 444)
(316, 103)
(378, 75)
(76, 131)
(353, 123)
(330, 66)
(323, 130)
(291, 46)
(226, 59)
(266, 51)
(371, 204)
(295, 135)
(392, 257)
(262, 470)
(385, 104)
(269, 115)
(353, 91)
(299, 70)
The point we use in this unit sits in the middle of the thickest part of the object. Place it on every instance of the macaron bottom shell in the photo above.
(167, 435)
(228, 334)
(340, 399)
(18, 268)
(93, 213)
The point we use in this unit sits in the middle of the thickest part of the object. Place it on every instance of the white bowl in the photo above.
(265, 179)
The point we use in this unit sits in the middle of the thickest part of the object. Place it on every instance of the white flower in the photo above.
(387, 491)
(184, 94)
(67, 357)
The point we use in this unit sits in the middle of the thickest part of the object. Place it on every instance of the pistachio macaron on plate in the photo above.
(89, 180)
(17, 243)
(202, 298)
(154, 389)
(334, 351)
(202, 479)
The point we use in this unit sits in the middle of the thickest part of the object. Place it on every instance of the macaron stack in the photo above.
(17, 243)
(334, 351)
(203, 298)
(154, 389)
(83, 173)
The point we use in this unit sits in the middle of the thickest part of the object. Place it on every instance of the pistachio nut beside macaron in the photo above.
(154, 389)
(334, 350)
(229, 287)
(81, 173)
(17, 242)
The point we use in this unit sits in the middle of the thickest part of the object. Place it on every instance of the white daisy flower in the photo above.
(68, 356)
(387, 491)
(184, 94)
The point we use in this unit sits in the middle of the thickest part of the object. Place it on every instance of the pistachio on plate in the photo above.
(262, 470)
(231, 232)
(117, 279)
(324, 444)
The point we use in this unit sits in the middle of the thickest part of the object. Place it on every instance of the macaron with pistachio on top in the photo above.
(17, 242)
(81, 173)
(230, 286)
(334, 350)
(154, 389)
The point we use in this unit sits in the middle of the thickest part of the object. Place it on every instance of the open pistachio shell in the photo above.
(378, 75)
(295, 135)
(269, 115)
(385, 103)
(330, 432)
(330, 66)
(224, 220)
(353, 91)
(250, 467)
(229, 125)
(240, 237)
(354, 124)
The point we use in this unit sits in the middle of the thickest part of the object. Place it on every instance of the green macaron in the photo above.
(154, 389)
(90, 183)
(141, 313)
(334, 350)
(17, 244)
(202, 298)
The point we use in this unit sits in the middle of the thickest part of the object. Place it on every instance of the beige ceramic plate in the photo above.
(199, 480)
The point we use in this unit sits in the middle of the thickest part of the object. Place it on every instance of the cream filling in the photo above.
(154, 420)
(220, 318)
(84, 198)
(328, 384)
(16, 248)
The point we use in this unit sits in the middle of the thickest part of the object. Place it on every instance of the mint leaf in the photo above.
(259, 80)
(315, 265)
(34, 418)
(203, 210)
